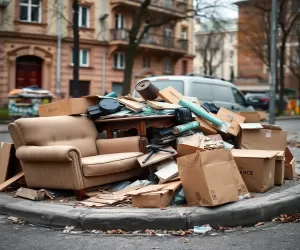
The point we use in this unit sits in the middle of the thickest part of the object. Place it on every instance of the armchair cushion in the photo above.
(118, 145)
(59, 153)
(109, 163)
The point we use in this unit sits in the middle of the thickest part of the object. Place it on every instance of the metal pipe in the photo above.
(103, 73)
(272, 75)
(58, 50)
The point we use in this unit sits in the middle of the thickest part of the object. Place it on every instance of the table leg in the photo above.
(109, 133)
(143, 144)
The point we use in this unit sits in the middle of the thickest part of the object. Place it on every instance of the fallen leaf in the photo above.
(259, 224)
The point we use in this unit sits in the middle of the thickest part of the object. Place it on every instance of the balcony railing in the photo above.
(152, 39)
(174, 5)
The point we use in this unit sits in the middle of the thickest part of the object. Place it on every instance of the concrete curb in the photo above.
(246, 212)
(279, 118)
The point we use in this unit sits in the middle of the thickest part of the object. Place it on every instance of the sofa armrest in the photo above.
(118, 145)
(59, 153)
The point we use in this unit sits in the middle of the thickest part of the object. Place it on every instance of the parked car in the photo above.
(211, 90)
(261, 100)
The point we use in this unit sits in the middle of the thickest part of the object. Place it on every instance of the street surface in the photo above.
(269, 236)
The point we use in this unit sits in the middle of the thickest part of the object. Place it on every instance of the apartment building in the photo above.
(218, 44)
(253, 72)
(29, 32)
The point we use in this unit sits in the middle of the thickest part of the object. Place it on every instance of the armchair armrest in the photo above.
(59, 153)
(118, 145)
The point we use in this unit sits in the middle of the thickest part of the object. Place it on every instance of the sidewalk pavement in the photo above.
(3, 128)
(246, 213)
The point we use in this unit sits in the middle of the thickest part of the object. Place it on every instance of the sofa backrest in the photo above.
(77, 131)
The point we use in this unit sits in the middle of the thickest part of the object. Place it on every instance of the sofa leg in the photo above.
(80, 194)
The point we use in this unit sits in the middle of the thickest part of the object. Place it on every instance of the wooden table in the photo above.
(140, 123)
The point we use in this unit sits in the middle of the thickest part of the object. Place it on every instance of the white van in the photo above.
(211, 90)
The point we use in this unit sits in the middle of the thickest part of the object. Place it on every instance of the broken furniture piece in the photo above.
(63, 152)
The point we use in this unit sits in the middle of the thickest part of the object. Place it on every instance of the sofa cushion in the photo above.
(109, 163)
(77, 131)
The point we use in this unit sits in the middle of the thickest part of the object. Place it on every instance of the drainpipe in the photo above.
(58, 54)
(103, 72)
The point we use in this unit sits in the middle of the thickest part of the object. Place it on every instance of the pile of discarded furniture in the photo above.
(159, 149)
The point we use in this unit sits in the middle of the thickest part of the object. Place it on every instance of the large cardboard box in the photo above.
(206, 127)
(250, 117)
(289, 165)
(234, 120)
(257, 168)
(207, 178)
(269, 137)
(9, 164)
(155, 196)
(279, 168)
(72, 106)
(185, 149)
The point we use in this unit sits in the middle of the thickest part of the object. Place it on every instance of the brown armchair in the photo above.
(63, 152)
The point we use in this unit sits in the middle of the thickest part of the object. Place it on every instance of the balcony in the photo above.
(168, 7)
(152, 41)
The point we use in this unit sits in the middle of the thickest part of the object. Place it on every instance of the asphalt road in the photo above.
(269, 236)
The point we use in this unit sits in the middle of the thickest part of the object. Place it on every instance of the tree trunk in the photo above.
(281, 77)
(129, 62)
(76, 44)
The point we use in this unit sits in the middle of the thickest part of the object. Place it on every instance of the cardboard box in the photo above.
(267, 138)
(289, 165)
(207, 178)
(263, 115)
(170, 95)
(9, 164)
(206, 127)
(185, 149)
(72, 106)
(234, 119)
(158, 198)
(257, 168)
(250, 117)
(279, 168)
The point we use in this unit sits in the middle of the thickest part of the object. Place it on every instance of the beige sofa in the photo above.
(63, 152)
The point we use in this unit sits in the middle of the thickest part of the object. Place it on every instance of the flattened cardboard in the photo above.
(257, 168)
(156, 199)
(31, 194)
(234, 119)
(72, 106)
(166, 170)
(207, 178)
(137, 106)
(251, 126)
(268, 138)
(163, 105)
(170, 95)
(250, 117)
(158, 157)
(11, 180)
(289, 165)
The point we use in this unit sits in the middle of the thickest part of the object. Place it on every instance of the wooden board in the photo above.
(11, 181)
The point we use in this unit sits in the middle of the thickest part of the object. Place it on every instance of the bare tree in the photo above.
(139, 28)
(256, 34)
(211, 46)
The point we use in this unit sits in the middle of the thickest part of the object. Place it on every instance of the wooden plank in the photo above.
(11, 181)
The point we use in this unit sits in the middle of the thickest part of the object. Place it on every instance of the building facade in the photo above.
(218, 44)
(30, 31)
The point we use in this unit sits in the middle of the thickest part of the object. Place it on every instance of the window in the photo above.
(119, 21)
(232, 37)
(296, 57)
(168, 41)
(146, 61)
(202, 91)
(168, 66)
(222, 93)
(84, 17)
(239, 98)
(119, 60)
(231, 54)
(30, 11)
(184, 34)
(84, 58)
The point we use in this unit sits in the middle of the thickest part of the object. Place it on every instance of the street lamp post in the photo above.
(273, 63)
